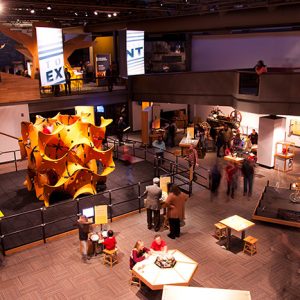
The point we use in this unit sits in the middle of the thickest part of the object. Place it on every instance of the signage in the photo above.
(101, 214)
(51, 55)
(102, 63)
(135, 52)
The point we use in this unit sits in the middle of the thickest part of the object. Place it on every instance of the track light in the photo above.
(115, 14)
(32, 11)
(76, 13)
(95, 13)
(49, 7)
(86, 14)
(109, 15)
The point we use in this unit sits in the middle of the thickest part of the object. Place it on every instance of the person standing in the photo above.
(175, 203)
(127, 159)
(160, 147)
(220, 142)
(248, 173)
(231, 178)
(68, 82)
(120, 129)
(109, 78)
(152, 204)
(260, 68)
(193, 160)
(254, 137)
(84, 229)
(227, 135)
(216, 176)
(172, 133)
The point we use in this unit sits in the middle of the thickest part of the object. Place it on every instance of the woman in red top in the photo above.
(138, 253)
(110, 242)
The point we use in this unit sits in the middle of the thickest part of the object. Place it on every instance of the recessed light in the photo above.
(76, 14)
(95, 13)
(109, 15)
(32, 11)
(115, 14)
(49, 7)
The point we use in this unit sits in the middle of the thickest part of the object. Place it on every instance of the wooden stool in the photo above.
(110, 257)
(220, 230)
(250, 245)
(134, 280)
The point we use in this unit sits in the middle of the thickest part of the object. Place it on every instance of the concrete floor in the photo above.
(55, 271)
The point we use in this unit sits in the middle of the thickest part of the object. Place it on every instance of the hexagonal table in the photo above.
(155, 277)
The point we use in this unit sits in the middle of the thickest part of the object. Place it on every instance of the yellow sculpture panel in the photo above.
(65, 153)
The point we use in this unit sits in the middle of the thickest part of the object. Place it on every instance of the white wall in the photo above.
(11, 118)
(240, 51)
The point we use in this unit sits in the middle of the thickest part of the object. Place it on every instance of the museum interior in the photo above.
(150, 149)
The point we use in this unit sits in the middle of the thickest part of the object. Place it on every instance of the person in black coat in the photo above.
(219, 142)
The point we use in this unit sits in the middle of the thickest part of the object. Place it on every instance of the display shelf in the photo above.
(284, 156)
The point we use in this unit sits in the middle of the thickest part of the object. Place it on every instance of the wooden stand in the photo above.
(284, 156)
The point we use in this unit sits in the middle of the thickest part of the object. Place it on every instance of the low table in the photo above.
(238, 224)
(186, 143)
(155, 277)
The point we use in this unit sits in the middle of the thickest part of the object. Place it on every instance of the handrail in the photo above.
(10, 136)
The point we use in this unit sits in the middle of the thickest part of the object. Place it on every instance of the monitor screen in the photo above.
(100, 109)
(88, 212)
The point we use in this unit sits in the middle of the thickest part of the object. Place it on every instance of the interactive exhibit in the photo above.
(65, 154)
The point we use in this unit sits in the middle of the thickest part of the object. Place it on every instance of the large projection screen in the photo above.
(135, 52)
(51, 55)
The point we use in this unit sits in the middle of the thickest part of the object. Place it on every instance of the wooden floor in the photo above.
(55, 270)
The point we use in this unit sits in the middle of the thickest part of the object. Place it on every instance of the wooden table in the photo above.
(155, 277)
(238, 224)
(186, 143)
(184, 292)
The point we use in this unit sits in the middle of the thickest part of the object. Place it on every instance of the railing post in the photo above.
(139, 195)
(77, 205)
(110, 205)
(155, 166)
(176, 164)
(43, 224)
(2, 238)
(15, 158)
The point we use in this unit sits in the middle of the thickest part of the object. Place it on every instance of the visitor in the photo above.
(152, 204)
(231, 178)
(248, 173)
(193, 160)
(215, 175)
(227, 136)
(110, 242)
(220, 142)
(175, 203)
(120, 129)
(84, 229)
(254, 137)
(68, 82)
(159, 244)
(127, 159)
(109, 78)
(237, 143)
(160, 147)
(171, 133)
(260, 68)
(138, 253)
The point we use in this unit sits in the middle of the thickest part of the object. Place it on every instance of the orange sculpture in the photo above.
(62, 155)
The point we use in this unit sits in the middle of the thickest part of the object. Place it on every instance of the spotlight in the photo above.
(95, 13)
(109, 15)
(86, 14)
(49, 7)
(115, 14)
(75, 13)
(32, 11)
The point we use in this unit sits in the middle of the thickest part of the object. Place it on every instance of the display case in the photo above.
(284, 156)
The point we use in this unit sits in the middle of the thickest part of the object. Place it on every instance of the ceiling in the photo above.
(64, 13)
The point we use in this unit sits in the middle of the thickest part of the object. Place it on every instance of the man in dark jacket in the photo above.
(248, 173)
(84, 229)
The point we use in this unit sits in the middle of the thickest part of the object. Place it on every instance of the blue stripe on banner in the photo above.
(50, 50)
(135, 61)
(51, 55)
(61, 82)
(129, 41)
(43, 46)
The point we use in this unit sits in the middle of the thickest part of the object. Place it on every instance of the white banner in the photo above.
(135, 52)
(51, 55)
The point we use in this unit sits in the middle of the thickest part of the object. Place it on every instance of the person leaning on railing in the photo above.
(260, 67)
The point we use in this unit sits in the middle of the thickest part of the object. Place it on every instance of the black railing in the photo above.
(45, 222)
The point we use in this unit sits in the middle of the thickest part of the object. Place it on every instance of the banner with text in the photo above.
(51, 55)
(135, 52)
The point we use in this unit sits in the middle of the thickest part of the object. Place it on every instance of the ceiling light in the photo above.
(115, 14)
(49, 7)
(76, 14)
(109, 15)
(95, 13)
(86, 14)
(32, 11)
(1, 7)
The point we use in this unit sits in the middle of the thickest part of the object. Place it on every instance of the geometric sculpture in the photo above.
(65, 155)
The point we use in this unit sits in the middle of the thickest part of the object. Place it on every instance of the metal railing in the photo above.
(45, 222)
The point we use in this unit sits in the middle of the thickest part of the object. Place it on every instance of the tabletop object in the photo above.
(155, 277)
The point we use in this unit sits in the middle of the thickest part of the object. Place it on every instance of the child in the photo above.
(110, 242)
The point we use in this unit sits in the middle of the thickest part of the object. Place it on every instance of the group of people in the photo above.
(175, 204)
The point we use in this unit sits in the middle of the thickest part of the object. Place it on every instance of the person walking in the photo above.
(220, 142)
(215, 175)
(84, 229)
(120, 129)
(160, 147)
(109, 78)
(152, 204)
(227, 135)
(248, 173)
(175, 203)
(127, 159)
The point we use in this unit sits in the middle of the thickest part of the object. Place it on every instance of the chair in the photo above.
(220, 230)
(134, 280)
(110, 257)
(250, 245)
